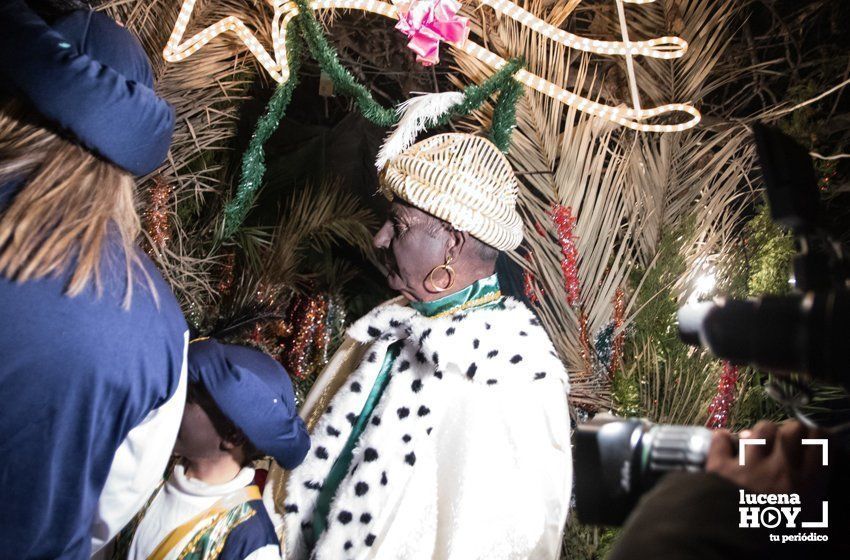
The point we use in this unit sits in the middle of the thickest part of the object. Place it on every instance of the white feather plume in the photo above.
(415, 115)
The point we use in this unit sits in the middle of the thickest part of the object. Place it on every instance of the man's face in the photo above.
(411, 246)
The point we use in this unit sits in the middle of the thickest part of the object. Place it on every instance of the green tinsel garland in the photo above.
(343, 81)
(504, 114)
(253, 161)
(474, 96)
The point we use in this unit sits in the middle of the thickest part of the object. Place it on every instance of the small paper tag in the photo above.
(326, 85)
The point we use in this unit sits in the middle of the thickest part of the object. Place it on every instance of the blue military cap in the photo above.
(255, 393)
(91, 78)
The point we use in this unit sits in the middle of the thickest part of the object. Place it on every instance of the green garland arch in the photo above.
(306, 30)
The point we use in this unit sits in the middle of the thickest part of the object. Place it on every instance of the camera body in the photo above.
(617, 460)
(802, 333)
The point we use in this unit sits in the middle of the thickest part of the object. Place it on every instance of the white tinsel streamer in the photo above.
(415, 115)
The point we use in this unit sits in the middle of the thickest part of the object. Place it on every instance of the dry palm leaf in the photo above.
(206, 95)
(626, 189)
(316, 219)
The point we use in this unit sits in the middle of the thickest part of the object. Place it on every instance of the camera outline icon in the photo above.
(824, 443)
(744, 442)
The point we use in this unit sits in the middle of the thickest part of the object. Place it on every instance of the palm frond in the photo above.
(563, 157)
(206, 92)
(626, 189)
(319, 218)
(669, 392)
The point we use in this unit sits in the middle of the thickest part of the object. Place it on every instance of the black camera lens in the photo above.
(617, 460)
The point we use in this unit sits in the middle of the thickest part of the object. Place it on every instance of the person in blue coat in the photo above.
(92, 342)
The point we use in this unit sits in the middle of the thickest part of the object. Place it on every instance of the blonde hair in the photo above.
(63, 214)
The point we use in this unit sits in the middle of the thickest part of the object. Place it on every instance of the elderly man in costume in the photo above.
(92, 342)
(440, 428)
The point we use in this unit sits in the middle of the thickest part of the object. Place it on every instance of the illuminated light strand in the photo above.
(289, 11)
(175, 51)
(284, 11)
(630, 63)
(661, 47)
(627, 117)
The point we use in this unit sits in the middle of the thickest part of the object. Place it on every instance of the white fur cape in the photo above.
(467, 454)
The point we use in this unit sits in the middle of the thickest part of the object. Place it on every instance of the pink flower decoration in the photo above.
(427, 22)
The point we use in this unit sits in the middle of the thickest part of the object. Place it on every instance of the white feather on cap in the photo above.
(415, 115)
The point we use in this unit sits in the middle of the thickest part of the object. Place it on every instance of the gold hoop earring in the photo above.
(449, 270)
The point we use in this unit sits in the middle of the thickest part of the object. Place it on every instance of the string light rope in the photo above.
(661, 47)
(630, 62)
(278, 67)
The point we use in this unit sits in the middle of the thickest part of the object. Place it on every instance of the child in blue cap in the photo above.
(240, 407)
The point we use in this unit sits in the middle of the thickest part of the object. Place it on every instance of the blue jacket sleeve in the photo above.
(120, 119)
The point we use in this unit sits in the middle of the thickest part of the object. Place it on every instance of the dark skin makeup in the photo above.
(412, 242)
(204, 452)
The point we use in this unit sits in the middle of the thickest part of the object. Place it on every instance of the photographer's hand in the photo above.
(782, 465)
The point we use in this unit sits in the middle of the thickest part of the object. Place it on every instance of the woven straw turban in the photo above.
(462, 179)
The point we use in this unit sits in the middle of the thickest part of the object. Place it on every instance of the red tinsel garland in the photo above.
(528, 281)
(565, 222)
(156, 221)
(724, 398)
(308, 318)
(227, 273)
(620, 336)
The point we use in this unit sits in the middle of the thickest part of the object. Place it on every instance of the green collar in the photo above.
(479, 293)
